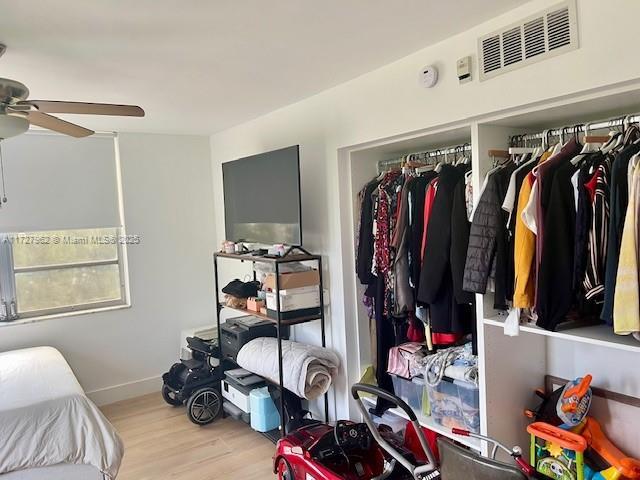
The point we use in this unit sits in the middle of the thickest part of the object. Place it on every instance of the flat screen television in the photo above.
(262, 198)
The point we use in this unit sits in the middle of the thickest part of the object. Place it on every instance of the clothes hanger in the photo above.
(537, 152)
(631, 131)
(558, 146)
(456, 160)
(592, 143)
(616, 140)
(597, 139)
(466, 158)
(438, 168)
(520, 147)
(427, 167)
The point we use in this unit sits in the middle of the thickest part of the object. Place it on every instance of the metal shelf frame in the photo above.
(289, 257)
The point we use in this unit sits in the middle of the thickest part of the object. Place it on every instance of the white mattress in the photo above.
(46, 419)
(57, 472)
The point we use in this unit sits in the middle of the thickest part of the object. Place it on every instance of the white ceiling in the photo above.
(200, 66)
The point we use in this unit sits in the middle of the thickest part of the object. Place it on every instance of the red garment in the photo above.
(591, 186)
(415, 332)
(446, 338)
(428, 206)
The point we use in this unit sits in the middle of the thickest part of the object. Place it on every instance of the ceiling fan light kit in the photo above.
(17, 113)
(12, 126)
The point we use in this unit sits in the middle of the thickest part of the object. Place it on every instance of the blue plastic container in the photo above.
(264, 415)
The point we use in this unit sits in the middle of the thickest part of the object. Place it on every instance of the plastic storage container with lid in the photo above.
(455, 404)
(264, 414)
(411, 391)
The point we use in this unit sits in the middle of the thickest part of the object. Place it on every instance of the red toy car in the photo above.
(353, 451)
(312, 452)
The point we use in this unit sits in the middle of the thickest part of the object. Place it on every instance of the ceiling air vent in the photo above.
(512, 46)
(548, 33)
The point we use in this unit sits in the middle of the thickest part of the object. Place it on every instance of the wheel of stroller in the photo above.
(284, 470)
(204, 406)
(170, 396)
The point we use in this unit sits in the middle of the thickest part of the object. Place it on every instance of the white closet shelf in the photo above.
(431, 424)
(601, 335)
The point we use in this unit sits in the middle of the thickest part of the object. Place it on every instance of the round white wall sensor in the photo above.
(429, 76)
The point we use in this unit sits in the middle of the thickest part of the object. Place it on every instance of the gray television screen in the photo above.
(262, 198)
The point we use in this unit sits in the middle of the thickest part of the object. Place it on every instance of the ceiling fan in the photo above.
(17, 113)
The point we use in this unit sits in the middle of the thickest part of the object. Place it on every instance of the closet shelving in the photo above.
(600, 335)
(514, 367)
(510, 368)
(448, 147)
(429, 423)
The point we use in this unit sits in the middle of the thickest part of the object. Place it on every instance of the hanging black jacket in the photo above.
(436, 280)
(555, 278)
(437, 252)
(460, 227)
(364, 259)
(417, 192)
(487, 238)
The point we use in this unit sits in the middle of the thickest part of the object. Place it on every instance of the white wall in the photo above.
(168, 202)
(390, 102)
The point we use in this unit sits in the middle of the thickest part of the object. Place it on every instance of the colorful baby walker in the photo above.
(566, 444)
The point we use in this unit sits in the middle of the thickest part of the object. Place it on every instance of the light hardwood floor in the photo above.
(161, 443)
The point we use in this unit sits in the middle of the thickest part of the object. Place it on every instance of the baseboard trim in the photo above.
(124, 391)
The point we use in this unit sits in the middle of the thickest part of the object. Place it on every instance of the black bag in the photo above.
(241, 289)
(294, 413)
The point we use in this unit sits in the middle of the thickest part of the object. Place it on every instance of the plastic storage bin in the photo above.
(264, 414)
(396, 423)
(410, 391)
(455, 404)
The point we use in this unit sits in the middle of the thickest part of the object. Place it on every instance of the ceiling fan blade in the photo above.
(83, 108)
(58, 125)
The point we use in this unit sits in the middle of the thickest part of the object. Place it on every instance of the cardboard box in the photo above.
(293, 279)
(254, 304)
(296, 291)
(294, 302)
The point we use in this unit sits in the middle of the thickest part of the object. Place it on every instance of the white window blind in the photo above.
(61, 235)
(55, 182)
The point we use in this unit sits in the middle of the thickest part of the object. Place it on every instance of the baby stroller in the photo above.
(456, 462)
(197, 382)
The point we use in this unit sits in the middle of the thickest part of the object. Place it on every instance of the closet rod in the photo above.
(383, 164)
(583, 127)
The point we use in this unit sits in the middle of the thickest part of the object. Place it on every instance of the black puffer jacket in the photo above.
(487, 235)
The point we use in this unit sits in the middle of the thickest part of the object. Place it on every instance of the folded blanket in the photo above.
(308, 371)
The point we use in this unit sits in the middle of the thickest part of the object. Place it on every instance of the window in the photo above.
(60, 271)
(61, 244)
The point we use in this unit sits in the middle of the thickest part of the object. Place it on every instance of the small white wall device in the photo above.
(463, 66)
(429, 76)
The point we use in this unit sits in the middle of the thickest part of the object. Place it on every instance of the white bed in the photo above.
(48, 426)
